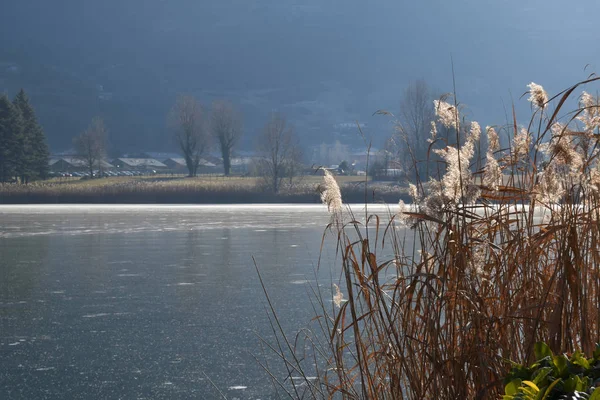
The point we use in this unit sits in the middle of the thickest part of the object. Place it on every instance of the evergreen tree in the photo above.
(35, 153)
(11, 140)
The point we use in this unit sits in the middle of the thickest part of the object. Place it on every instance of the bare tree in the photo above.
(295, 164)
(186, 120)
(226, 127)
(90, 146)
(414, 124)
(278, 146)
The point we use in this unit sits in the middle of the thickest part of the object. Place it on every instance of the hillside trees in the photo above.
(187, 123)
(226, 127)
(90, 146)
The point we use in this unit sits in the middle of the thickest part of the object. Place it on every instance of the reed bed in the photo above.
(437, 302)
(182, 191)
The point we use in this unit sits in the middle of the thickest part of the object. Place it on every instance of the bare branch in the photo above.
(226, 127)
(414, 125)
(90, 146)
(280, 151)
(187, 123)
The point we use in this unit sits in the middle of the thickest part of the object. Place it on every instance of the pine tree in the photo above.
(11, 140)
(35, 148)
(4, 134)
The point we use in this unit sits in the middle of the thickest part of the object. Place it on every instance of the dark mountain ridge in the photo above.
(323, 63)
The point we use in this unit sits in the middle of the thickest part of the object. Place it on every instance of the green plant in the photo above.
(553, 377)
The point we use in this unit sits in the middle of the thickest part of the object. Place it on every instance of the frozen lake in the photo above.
(146, 302)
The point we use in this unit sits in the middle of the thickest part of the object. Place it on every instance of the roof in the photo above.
(141, 162)
(237, 161)
(177, 160)
(181, 161)
(212, 159)
(206, 163)
(77, 162)
(157, 155)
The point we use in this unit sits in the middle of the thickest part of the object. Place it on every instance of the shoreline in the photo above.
(180, 192)
(218, 199)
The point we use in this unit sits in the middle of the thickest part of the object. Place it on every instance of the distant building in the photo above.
(178, 165)
(329, 154)
(361, 157)
(241, 165)
(393, 172)
(213, 159)
(157, 155)
(349, 125)
(74, 164)
(139, 164)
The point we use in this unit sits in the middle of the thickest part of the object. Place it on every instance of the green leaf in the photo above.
(561, 362)
(540, 376)
(512, 388)
(595, 394)
(596, 353)
(529, 392)
(570, 384)
(584, 384)
(574, 383)
(531, 389)
(548, 390)
(579, 359)
(531, 385)
(541, 350)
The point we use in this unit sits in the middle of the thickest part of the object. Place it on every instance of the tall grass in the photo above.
(483, 264)
(181, 190)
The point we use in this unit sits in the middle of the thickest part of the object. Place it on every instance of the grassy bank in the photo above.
(179, 190)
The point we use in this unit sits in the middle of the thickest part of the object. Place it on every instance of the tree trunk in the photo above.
(190, 166)
(226, 160)
(275, 181)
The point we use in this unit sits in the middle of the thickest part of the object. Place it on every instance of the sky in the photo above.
(323, 62)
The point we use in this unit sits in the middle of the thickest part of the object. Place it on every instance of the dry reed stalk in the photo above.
(482, 282)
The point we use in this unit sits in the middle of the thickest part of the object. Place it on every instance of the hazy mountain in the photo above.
(323, 62)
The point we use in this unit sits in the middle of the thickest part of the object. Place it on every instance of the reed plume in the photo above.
(330, 193)
(470, 275)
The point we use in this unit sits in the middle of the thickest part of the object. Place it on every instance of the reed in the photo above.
(481, 266)
(182, 191)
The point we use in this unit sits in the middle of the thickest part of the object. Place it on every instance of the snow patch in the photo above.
(96, 315)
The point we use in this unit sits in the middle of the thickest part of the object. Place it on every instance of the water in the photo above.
(151, 302)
